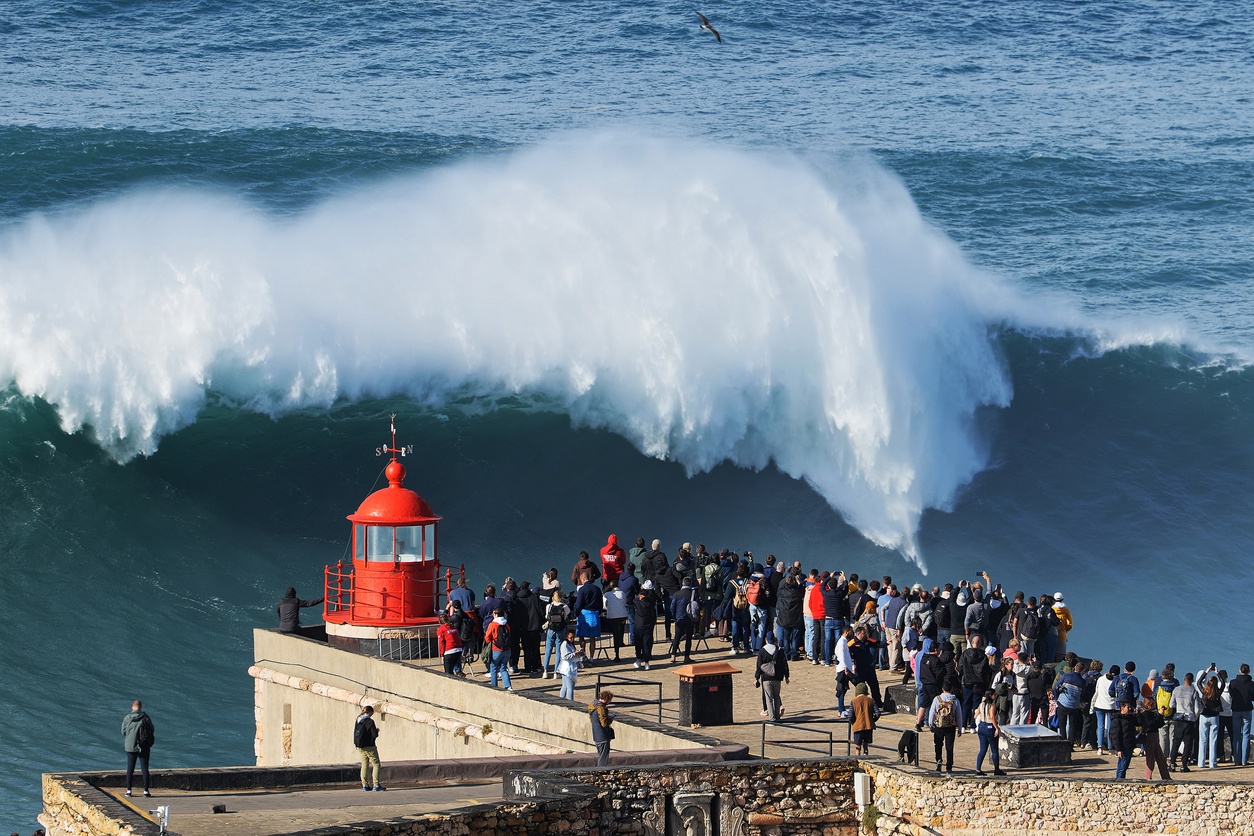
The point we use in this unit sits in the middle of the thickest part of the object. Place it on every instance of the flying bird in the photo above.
(705, 24)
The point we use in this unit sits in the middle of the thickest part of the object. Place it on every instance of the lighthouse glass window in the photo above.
(404, 543)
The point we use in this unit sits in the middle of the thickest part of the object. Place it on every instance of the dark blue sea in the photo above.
(889, 287)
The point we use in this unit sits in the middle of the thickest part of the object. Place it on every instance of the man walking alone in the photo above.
(365, 733)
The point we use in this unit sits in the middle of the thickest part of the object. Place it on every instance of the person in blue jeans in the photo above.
(497, 640)
(988, 729)
(1123, 730)
(1241, 690)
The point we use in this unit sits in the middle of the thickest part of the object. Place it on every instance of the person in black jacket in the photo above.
(655, 567)
(835, 613)
(531, 617)
(646, 622)
(289, 611)
(973, 670)
(1123, 729)
(685, 624)
(770, 671)
(788, 618)
(365, 733)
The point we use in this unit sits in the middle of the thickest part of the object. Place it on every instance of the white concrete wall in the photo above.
(322, 723)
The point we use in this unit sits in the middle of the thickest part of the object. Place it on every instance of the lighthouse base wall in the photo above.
(308, 694)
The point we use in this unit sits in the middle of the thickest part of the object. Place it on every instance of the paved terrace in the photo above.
(809, 700)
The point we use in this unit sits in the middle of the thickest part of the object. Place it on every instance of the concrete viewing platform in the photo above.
(543, 755)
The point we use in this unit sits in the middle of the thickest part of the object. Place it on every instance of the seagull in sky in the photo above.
(705, 24)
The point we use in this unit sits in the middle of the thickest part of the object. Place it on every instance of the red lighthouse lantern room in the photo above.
(391, 590)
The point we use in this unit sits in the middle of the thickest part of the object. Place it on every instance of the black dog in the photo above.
(908, 747)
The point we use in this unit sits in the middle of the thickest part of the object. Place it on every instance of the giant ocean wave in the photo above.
(708, 304)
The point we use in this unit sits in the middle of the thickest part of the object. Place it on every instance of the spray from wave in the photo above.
(707, 304)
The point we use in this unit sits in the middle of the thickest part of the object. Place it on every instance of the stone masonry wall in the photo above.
(916, 804)
(747, 797)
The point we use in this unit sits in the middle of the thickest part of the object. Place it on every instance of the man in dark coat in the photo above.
(289, 611)
(532, 608)
(788, 618)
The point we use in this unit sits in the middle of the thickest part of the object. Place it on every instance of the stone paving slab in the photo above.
(810, 699)
(273, 812)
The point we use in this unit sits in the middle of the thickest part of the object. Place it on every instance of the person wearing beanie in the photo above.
(1065, 623)
(646, 620)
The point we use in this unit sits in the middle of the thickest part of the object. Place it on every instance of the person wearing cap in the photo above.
(646, 622)
(1065, 623)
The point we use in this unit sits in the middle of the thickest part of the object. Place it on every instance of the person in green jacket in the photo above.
(138, 735)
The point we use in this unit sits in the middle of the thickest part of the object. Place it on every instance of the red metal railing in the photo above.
(391, 606)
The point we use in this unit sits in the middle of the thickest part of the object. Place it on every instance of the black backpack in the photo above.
(556, 617)
(146, 735)
(1029, 625)
(501, 639)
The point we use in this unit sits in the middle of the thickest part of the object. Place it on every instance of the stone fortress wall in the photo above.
(741, 798)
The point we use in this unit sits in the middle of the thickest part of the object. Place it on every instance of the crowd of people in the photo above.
(979, 657)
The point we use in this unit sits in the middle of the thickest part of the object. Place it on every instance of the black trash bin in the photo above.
(705, 694)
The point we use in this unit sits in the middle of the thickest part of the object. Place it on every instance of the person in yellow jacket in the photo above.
(1065, 623)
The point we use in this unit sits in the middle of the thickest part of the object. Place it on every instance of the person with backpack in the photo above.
(686, 612)
(771, 670)
(138, 736)
(738, 612)
(944, 718)
(1160, 695)
(498, 642)
(756, 595)
(556, 617)
(1126, 689)
(1027, 629)
(365, 734)
(712, 584)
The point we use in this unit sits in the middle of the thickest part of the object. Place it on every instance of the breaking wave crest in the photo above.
(706, 303)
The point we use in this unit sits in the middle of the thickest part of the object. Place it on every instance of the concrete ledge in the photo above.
(399, 772)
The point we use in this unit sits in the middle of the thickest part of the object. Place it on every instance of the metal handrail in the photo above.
(339, 591)
(792, 744)
(632, 682)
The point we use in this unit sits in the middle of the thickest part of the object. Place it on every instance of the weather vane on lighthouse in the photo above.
(393, 449)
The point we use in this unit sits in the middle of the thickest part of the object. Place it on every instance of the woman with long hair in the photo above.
(988, 729)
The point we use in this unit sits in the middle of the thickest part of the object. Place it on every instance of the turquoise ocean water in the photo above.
(883, 287)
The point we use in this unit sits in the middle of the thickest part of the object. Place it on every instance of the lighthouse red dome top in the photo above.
(394, 505)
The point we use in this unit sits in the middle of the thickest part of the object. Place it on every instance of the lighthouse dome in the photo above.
(394, 505)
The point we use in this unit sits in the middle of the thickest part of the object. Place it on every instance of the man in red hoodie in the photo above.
(613, 559)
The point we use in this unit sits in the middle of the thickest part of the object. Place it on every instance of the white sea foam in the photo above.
(708, 304)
